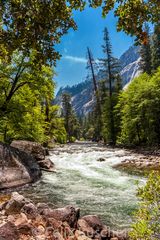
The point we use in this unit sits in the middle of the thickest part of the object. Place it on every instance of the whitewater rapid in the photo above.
(95, 187)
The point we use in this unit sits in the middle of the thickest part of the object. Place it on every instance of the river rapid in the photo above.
(95, 187)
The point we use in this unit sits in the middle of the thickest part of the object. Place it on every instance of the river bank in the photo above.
(145, 160)
(21, 219)
(85, 182)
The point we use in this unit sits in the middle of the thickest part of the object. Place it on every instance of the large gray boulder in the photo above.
(37, 151)
(33, 148)
(15, 204)
(16, 167)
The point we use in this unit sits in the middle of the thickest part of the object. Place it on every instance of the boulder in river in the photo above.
(16, 167)
(101, 159)
(37, 151)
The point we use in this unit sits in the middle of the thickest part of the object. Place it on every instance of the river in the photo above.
(95, 187)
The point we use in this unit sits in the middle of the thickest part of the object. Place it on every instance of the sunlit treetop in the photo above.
(39, 24)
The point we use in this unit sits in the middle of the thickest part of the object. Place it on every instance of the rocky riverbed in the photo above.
(142, 162)
(21, 219)
(88, 176)
(86, 179)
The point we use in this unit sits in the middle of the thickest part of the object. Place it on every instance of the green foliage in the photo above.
(87, 126)
(36, 25)
(139, 107)
(39, 25)
(110, 69)
(54, 126)
(71, 122)
(26, 95)
(147, 218)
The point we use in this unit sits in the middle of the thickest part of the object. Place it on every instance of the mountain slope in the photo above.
(82, 93)
(130, 64)
(82, 96)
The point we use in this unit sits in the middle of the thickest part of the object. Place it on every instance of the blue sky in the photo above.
(71, 69)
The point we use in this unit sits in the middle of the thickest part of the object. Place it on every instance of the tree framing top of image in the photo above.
(39, 24)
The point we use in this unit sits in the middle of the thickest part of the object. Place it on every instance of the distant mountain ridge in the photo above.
(130, 62)
(82, 94)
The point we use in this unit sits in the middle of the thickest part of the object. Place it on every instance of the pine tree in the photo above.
(97, 113)
(71, 122)
(145, 53)
(110, 69)
(156, 47)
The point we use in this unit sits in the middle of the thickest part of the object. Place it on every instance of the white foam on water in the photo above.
(94, 186)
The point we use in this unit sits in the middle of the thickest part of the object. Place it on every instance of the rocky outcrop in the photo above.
(140, 163)
(37, 151)
(31, 221)
(16, 167)
(68, 214)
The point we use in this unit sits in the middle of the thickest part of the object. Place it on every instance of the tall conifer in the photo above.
(145, 53)
(156, 47)
(110, 69)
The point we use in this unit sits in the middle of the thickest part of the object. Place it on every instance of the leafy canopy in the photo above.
(26, 110)
(39, 25)
(147, 218)
(139, 110)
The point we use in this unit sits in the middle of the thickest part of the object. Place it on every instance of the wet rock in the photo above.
(37, 151)
(57, 236)
(140, 163)
(47, 152)
(2, 206)
(81, 236)
(68, 214)
(51, 222)
(25, 229)
(101, 159)
(22, 219)
(41, 207)
(40, 230)
(71, 238)
(39, 220)
(104, 233)
(30, 210)
(11, 218)
(56, 224)
(33, 148)
(83, 226)
(46, 164)
(9, 232)
(94, 222)
(15, 204)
